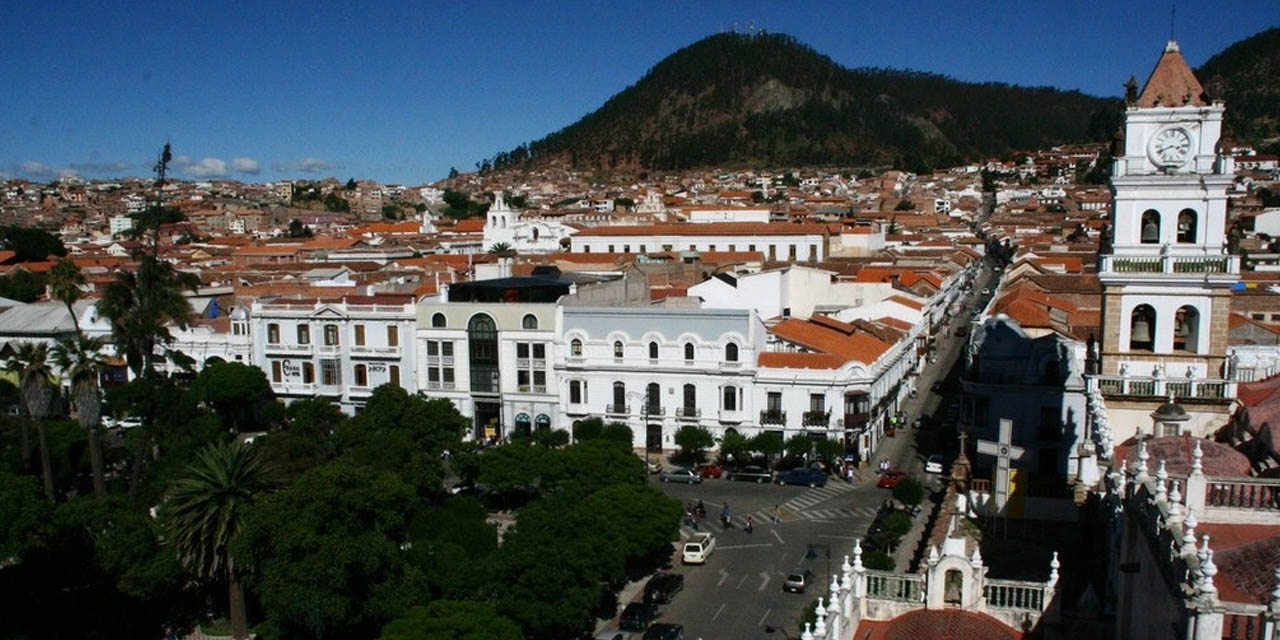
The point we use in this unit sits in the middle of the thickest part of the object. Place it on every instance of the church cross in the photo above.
(1004, 451)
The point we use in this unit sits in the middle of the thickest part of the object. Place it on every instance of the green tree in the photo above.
(207, 509)
(351, 185)
(30, 361)
(693, 440)
(909, 492)
(623, 203)
(299, 230)
(767, 443)
(897, 524)
(327, 552)
(30, 244)
(452, 620)
(587, 429)
(140, 305)
(239, 394)
(500, 247)
(878, 561)
(21, 285)
(734, 447)
(828, 448)
(80, 359)
(23, 516)
(305, 441)
(905, 205)
(799, 445)
(404, 433)
(65, 280)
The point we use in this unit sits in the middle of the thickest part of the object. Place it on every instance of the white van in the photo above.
(698, 548)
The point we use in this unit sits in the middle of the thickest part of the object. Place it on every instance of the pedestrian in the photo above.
(748, 525)
(777, 514)
(701, 509)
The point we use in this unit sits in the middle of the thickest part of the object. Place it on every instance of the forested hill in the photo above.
(1247, 76)
(768, 99)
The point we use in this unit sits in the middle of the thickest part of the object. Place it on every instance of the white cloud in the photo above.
(33, 169)
(206, 168)
(307, 165)
(246, 165)
(99, 167)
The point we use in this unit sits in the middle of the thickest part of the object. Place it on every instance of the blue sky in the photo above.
(400, 92)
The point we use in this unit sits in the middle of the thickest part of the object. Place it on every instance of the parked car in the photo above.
(683, 474)
(637, 616)
(654, 466)
(751, 473)
(798, 580)
(698, 548)
(662, 587)
(933, 464)
(709, 470)
(890, 478)
(664, 631)
(613, 635)
(804, 476)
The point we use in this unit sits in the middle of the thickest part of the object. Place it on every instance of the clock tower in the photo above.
(1166, 285)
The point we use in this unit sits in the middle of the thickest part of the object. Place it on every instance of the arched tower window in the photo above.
(529, 321)
(731, 352)
(575, 348)
(1150, 227)
(688, 351)
(653, 350)
(438, 321)
(1187, 220)
(1142, 328)
(617, 349)
(1186, 329)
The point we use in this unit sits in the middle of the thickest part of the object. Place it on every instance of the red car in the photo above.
(709, 470)
(891, 478)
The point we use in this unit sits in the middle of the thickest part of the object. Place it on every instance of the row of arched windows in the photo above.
(1144, 327)
(1187, 223)
(619, 350)
(439, 321)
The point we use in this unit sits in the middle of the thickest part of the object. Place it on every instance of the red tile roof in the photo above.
(1171, 83)
(1218, 460)
(937, 624)
(830, 336)
(1245, 555)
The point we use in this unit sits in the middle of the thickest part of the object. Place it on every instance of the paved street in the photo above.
(738, 592)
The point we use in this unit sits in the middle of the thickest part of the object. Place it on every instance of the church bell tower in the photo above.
(1167, 280)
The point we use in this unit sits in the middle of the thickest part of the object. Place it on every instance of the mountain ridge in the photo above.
(769, 99)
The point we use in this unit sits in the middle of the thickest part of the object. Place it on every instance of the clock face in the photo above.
(1170, 147)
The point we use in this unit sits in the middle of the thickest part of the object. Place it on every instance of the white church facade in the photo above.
(506, 227)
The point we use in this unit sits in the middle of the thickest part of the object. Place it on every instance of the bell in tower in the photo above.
(1141, 330)
(1150, 232)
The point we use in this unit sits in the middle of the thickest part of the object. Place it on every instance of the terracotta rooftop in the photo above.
(833, 337)
(1171, 83)
(1218, 459)
(938, 624)
(1245, 555)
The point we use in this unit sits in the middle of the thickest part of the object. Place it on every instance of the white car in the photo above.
(698, 548)
(123, 423)
(933, 464)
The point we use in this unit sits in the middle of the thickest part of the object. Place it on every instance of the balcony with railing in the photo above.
(291, 349)
(617, 409)
(1181, 389)
(816, 419)
(359, 390)
(293, 388)
(1159, 265)
(328, 349)
(1015, 594)
(372, 351)
(688, 413)
(437, 385)
(895, 586)
(652, 410)
(773, 416)
(532, 388)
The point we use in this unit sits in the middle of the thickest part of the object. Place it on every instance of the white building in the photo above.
(658, 369)
(521, 234)
(777, 240)
(341, 348)
(120, 224)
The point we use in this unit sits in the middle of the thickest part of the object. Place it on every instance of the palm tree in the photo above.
(139, 307)
(500, 247)
(30, 360)
(205, 510)
(80, 358)
(65, 280)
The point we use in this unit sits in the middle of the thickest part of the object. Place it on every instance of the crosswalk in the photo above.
(797, 508)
